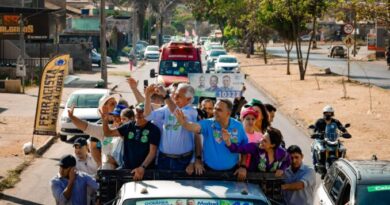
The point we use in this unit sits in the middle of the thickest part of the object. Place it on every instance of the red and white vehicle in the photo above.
(177, 59)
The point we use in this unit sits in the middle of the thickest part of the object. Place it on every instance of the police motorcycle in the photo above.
(327, 147)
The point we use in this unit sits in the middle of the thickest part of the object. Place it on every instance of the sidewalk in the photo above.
(303, 101)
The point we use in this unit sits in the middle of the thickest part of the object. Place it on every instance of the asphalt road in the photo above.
(374, 72)
(34, 186)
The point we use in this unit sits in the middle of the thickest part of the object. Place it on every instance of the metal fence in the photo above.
(34, 67)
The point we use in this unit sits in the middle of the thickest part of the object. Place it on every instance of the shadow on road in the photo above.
(16, 200)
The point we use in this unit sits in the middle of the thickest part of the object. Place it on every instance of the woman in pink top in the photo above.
(248, 118)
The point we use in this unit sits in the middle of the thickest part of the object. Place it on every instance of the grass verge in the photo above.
(13, 176)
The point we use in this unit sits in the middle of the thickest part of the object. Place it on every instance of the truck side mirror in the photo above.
(246, 76)
(152, 73)
(347, 125)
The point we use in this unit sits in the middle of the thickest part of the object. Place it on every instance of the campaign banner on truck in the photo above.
(49, 97)
(184, 201)
(218, 85)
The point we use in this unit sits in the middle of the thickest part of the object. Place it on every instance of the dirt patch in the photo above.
(304, 100)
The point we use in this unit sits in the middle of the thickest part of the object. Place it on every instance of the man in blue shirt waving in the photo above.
(177, 145)
(216, 155)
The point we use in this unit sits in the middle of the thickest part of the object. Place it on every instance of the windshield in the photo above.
(179, 68)
(186, 201)
(217, 53)
(85, 100)
(228, 60)
(373, 194)
(152, 48)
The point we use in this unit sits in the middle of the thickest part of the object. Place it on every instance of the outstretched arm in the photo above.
(190, 126)
(80, 124)
(134, 87)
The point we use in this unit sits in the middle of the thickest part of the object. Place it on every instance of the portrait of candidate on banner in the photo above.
(219, 85)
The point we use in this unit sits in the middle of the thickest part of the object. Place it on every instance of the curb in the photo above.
(41, 150)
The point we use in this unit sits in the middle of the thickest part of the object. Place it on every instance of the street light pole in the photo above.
(103, 45)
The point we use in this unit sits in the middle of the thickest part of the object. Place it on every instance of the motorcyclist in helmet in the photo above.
(328, 118)
(320, 126)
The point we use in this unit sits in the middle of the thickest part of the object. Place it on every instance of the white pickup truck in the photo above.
(177, 188)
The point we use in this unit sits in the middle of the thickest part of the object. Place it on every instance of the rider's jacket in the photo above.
(320, 125)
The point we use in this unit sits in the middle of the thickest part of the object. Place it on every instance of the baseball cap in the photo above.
(67, 161)
(80, 142)
(249, 111)
(140, 106)
(118, 109)
(254, 102)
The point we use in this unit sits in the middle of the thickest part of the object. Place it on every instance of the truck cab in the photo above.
(177, 59)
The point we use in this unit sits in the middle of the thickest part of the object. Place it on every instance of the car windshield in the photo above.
(179, 68)
(85, 100)
(192, 201)
(217, 53)
(373, 194)
(227, 60)
(152, 48)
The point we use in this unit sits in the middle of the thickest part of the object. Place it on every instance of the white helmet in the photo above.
(328, 108)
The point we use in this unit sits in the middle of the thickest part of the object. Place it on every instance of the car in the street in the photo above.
(212, 58)
(337, 50)
(357, 182)
(227, 64)
(140, 47)
(152, 53)
(166, 39)
(203, 39)
(97, 58)
(306, 37)
(86, 102)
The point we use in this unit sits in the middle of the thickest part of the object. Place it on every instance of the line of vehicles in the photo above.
(345, 182)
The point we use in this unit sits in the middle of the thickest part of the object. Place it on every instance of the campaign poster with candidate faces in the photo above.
(184, 201)
(217, 85)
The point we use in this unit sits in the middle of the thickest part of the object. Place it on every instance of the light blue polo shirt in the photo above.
(306, 175)
(215, 153)
(174, 139)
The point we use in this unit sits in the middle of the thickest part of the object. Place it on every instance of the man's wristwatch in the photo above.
(199, 158)
(143, 166)
(243, 166)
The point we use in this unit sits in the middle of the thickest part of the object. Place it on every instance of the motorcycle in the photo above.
(327, 148)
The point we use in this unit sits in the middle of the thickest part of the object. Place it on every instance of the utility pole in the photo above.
(21, 64)
(103, 45)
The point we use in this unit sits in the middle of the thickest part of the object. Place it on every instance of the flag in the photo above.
(50, 93)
